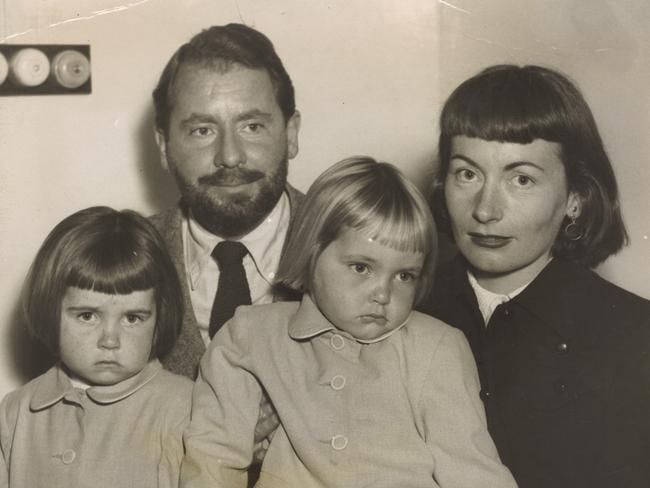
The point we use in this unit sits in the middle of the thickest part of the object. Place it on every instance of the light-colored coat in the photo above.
(401, 412)
(126, 435)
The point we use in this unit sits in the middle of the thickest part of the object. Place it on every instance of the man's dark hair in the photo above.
(224, 46)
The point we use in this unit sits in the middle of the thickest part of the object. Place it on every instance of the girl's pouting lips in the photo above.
(108, 363)
(374, 318)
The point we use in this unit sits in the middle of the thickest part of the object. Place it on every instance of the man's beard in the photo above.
(236, 215)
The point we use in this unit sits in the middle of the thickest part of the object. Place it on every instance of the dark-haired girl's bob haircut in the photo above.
(515, 104)
(107, 251)
(370, 197)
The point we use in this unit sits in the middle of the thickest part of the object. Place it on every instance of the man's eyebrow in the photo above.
(195, 117)
(255, 114)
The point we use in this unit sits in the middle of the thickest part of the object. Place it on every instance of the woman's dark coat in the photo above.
(565, 375)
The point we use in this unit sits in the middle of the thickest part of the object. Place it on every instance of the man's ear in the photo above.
(293, 128)
(162, 147)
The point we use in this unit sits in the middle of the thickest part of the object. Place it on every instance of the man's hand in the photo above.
(267, 422)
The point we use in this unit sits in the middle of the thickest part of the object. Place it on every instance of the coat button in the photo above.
(337, 342)
(562, 348)
(339, 442)
(68, 456)
(485, 395)
(560, 386)
(337, 382)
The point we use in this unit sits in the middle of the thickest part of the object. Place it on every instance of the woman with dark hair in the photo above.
(529, 196)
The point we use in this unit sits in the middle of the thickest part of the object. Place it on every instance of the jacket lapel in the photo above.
(189, 345)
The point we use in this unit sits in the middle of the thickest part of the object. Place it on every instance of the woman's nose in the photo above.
(110, 337)
(230, 153)
(488, 205)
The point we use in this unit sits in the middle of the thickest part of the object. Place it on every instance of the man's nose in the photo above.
(110, 336)
(230, 153)
(488, 205)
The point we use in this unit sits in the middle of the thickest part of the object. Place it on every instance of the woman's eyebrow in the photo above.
(517, 164)
(140, 310)
(507, 167)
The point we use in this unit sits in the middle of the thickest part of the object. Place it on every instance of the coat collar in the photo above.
(309, 322)
(55, 385)
(553, 296)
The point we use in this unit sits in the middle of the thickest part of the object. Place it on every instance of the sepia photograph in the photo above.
(325, 243)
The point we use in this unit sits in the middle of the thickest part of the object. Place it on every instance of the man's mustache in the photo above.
(231, 177)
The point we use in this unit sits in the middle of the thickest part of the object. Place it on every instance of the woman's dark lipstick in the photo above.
(491, 241)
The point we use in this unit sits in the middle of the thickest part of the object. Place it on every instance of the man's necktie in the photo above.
(232, 289)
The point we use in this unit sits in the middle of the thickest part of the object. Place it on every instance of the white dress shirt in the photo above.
(264, 244)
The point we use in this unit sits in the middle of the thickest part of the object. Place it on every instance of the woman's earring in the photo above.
(572, 231)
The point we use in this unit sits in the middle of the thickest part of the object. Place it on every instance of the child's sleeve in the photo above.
(171, 440)
(5, 443)
(453, 420)
(225, 408)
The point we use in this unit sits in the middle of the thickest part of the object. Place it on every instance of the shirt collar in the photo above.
(56, 385)
(309, 322)
(551, 297)
(264, 243)
(487, 300)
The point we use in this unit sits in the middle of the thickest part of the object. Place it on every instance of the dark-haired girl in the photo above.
(104, 297)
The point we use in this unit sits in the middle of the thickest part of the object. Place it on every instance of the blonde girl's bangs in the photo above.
(361, 194)
(402, 229)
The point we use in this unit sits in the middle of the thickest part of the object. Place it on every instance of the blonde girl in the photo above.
(368, 391)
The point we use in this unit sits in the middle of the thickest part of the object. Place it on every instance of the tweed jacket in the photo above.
(185, 356)
(565, 375)
(402, 412)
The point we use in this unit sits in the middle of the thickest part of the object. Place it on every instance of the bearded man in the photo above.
(226, 126)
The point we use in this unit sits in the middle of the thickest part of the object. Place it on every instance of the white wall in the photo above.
(370, 78)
